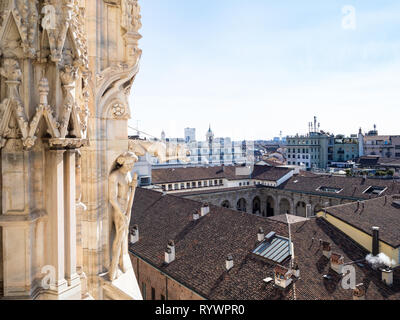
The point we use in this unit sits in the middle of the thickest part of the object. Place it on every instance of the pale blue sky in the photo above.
(252, 68)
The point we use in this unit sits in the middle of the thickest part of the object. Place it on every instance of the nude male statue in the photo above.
(121, 193)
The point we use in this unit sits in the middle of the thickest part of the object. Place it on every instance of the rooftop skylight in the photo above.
(375, 190)
(276, 248)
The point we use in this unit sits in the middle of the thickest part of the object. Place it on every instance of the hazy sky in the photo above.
(253, 68)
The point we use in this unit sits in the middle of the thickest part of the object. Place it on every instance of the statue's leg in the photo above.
(116, 249)
(124, 250)
(122, 265)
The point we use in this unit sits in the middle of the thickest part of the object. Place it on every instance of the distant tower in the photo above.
(209, 135)
(163, 136)
(315, 124)
(360, 143)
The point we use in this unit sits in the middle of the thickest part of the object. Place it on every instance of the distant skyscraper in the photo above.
(190, 135)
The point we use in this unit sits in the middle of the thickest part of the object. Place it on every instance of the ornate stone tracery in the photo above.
(60, 103)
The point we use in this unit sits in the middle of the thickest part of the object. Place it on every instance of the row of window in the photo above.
(192, 185)
(153, 293)
(303, 156)
(304, 150)
(311, 142)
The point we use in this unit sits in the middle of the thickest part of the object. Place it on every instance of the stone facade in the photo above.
(268, 201)
(156, 285)
(67, 67)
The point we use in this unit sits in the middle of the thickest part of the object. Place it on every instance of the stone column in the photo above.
(55, 209)
(80, 210)
(70, 218)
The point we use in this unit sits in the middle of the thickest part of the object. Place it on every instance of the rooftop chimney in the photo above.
(359, 292)
(170, 252)
(260, 235)
(283, 276)
(229, 262)
(337, 262)
(375, 241)
(326, 249)
(196, 215)
(135, 234)
(387, 276)
(205, 209)
(296, 270)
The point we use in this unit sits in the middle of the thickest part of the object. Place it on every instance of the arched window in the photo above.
(226, 204)
(256, 205)
(241, 205)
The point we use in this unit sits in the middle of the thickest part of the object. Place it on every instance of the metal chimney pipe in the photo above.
(375, 241)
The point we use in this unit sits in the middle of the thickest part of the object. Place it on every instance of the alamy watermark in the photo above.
(349, 278)
(349, 19)
(49, 279)
(49, 19)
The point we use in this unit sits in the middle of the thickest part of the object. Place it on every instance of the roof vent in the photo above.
(196, 215)
(296, 270)
(170, 252)
(229, 262)
(205, 209)
(326, 249)
(260, 234)
(387, 276)
(134, 234)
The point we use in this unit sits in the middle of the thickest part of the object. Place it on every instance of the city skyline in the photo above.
(201, 134)
(255, 69)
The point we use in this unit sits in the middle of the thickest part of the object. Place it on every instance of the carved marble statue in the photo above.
(121, 194)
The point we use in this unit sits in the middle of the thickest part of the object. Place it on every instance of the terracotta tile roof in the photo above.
(381, 212)
(203, 245)
(352, 188)
(377, 161)
(313, 265)
(170, 175)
